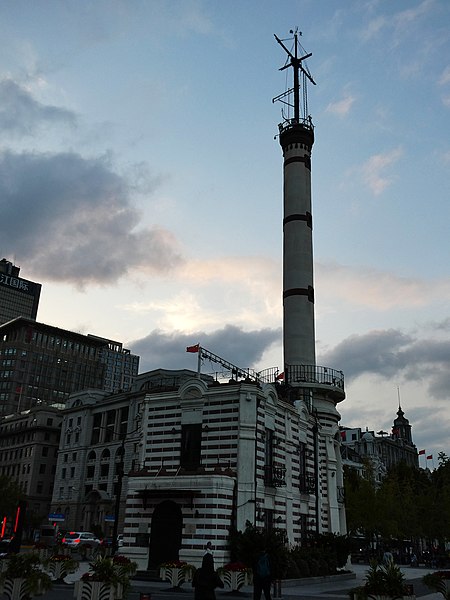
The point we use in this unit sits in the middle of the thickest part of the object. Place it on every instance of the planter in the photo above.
(97, 590)
(176, 575)
(236, 579)
(59, 569)
(18, 588)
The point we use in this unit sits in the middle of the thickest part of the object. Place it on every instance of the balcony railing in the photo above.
(274, 476)
(314, 374)
(307, 484)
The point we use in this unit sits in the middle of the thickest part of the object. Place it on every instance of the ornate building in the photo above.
(382, 450)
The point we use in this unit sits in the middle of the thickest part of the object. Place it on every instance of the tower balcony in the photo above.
(330, 381)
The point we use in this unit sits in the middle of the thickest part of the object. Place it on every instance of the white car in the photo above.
(75, 539)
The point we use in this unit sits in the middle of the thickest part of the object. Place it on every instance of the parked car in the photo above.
(120, 540)
(75, 539)
(5, 544)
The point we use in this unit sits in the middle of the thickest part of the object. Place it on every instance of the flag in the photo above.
(280, 376)
(421, 452)
(430, 457)
(19, 389)
(395, 431)
(195, 348)
(343, 435)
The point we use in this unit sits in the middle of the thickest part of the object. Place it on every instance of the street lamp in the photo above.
(120, 474)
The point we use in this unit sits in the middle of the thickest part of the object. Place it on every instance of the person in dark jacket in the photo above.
(262, 576)
(206, 580)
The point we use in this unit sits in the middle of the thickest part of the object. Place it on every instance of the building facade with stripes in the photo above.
(214, 456)
(183, 458)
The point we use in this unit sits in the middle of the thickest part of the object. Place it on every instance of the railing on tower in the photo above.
(314, 374)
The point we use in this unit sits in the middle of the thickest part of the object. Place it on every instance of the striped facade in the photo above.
(260, 458)
(199, 457)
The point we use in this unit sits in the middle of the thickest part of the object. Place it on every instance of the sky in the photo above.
(141, 184)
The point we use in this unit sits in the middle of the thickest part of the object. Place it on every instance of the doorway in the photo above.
(166, 533)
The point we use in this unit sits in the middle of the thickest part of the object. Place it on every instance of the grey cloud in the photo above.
(21, 114)
(71, 219)
(391, 353)
(168, 350)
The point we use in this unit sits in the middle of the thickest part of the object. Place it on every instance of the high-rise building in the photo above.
(41, 363)
(29, 444)
(18, 297)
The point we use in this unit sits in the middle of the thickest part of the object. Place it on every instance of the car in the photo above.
(5, 547)
(120, 540)
(75, 539)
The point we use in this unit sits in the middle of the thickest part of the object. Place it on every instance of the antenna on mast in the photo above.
(295, 60)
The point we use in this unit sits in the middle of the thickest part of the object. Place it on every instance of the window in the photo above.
(63, 473)
(96, 428)
(45, 451)
(72, 472)
(191, 438)
(42, 469)
(104, 470)
(90, 471)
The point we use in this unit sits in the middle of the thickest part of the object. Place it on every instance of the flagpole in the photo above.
(199, 361)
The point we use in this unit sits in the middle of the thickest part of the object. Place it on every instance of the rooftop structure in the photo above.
(18, 297)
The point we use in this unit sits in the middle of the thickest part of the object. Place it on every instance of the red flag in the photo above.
(395, 431)
(195, 348)
(421, 452)
(343, 435)
(430, 457)
(280, 376)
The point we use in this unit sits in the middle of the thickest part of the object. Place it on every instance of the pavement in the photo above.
(304, 589)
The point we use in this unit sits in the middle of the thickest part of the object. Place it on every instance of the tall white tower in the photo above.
(317, 389)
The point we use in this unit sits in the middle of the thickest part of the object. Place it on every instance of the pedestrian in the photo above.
(262, 576)
(206, 580)
(388, 557)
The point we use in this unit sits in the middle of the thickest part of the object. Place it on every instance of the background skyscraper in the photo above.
(18, 297)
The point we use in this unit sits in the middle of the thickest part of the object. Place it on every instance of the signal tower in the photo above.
(317, 389)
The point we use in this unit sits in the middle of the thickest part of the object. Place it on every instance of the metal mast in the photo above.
(296, 137)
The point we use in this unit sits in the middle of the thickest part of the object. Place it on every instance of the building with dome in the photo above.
(381, 450)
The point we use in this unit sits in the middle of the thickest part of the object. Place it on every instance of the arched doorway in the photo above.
(165, 536)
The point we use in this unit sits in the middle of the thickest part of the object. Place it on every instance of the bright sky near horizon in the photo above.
(141, 184)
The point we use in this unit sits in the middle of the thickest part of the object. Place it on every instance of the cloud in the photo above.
(21, 114)
(168, 350)
(366, 287)
(402, 22)
(445, 77)
(392, 353)
(71, 219)
(341, 107)
(374, 170)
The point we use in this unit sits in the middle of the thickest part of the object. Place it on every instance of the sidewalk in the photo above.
(306, 589)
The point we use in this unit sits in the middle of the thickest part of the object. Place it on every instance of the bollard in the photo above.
(145, 596)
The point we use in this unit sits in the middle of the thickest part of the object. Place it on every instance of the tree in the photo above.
(10, 496)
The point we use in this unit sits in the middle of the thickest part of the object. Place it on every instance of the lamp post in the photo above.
(118, 494)
(120, 474)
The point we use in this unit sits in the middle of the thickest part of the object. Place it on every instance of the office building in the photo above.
(29, 443)
(18, 297)
(41, 363)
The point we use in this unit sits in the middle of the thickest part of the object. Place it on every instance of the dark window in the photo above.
(96, 428)
(90, 471)
(191, 446)
(42, 469)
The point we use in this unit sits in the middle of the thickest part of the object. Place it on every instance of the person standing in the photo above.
(262, 577)
(206, 580)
